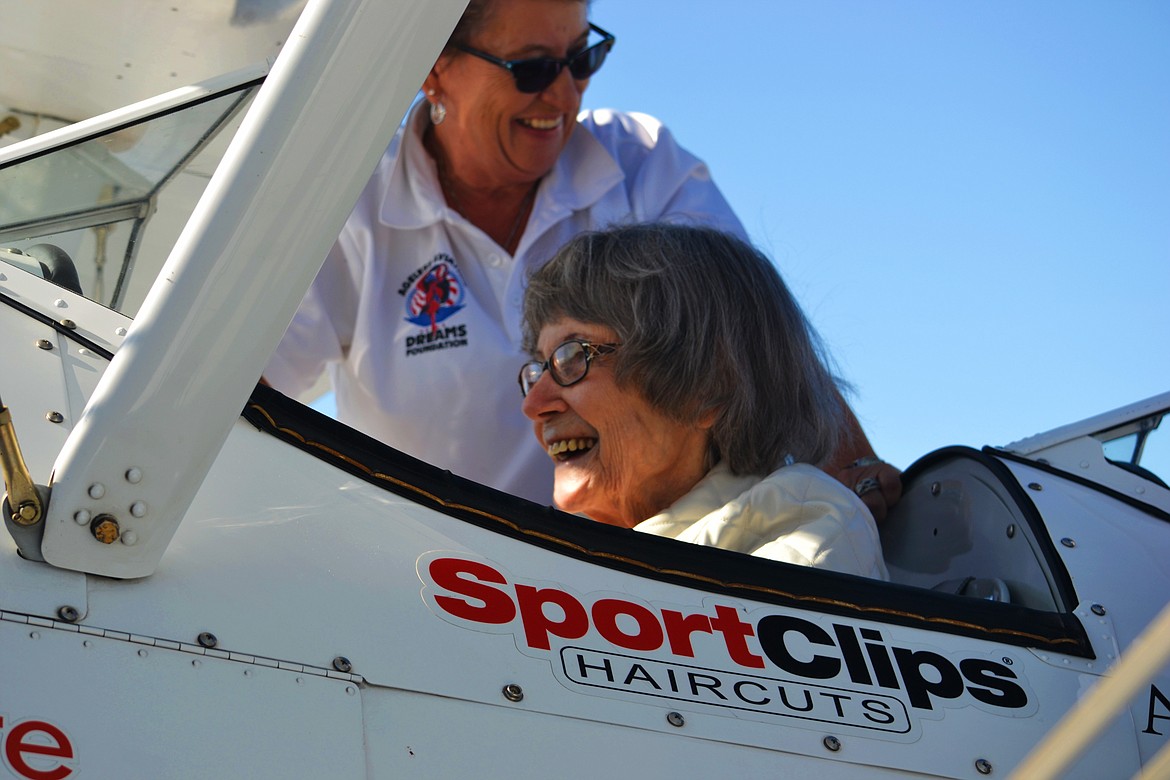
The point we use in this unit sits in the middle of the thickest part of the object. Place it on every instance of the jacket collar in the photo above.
(412, 199)
(714, 491)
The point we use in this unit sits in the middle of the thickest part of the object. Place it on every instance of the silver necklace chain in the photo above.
(446, 185)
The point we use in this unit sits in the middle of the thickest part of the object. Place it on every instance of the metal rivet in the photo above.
(350, 690)
(1011, 531)
(81, 517)
(68, 614)
(69, 324)
(196, 663)
(34, 635)
(96, 490)
(55, 417)
(935, 488)
(44, 344)
(142, 654)
(60, 303)
(138, 509)
(207, 639)
(87, 643)
(119, 331)
(342, 664)
(1035, 486)
(513, 692)
(129, 538)
(133, 475)
(1097, 609)
(983, 766)
(1067, 542)
(675, 719)
(832, 743)
(105, 529)
(26, 514)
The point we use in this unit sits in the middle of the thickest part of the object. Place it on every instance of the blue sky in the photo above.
(970, 198)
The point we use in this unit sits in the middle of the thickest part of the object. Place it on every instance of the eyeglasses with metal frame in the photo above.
(568, 364)
(538, 73)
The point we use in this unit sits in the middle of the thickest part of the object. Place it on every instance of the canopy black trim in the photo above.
(689, 565)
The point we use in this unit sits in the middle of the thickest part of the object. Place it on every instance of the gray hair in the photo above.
(706, 324)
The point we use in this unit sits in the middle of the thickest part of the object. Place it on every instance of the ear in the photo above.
(707, 418)
(434, 80)
(430, 86)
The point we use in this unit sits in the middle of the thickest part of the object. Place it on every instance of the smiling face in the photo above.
(494, 135)
(618, 460)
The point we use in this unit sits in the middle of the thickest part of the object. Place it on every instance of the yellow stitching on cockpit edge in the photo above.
(688, 575)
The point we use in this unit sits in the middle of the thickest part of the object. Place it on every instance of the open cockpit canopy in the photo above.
(114, 193)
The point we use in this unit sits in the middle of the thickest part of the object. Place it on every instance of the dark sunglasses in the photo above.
(568, 364)
(538, 73)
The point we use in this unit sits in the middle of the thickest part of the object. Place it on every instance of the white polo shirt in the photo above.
(416, 312)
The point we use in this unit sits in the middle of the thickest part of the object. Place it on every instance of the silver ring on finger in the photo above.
(867, 485)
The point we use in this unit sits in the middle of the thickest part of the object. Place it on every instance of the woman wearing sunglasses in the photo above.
(416, 311)
(678, 390)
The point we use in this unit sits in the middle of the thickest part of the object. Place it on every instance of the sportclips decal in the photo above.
(433, 294)
(36, 750)
(807, 668)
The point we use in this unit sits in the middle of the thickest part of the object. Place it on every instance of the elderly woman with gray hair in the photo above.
(686, 396)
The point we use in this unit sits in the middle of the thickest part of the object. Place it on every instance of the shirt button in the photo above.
(495, 260)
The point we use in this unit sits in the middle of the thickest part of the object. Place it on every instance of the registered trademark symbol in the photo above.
(1007, 661)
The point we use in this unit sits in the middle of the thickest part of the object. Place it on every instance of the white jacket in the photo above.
(797, 514)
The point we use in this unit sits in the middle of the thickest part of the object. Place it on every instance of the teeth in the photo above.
(570, 445)
(542, 124)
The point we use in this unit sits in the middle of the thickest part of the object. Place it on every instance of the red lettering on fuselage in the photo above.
(551, 612)
(36, 750)
(538, 625)
(477, 592)
(497, 607)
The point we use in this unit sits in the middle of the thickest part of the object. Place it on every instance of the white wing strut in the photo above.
(1093, 714)
(169, 398)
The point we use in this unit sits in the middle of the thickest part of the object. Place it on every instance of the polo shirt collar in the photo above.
(583, 173)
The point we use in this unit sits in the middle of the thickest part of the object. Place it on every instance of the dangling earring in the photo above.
(438, 110)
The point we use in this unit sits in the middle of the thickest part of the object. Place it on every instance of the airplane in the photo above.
(71, 60)
(203, 577)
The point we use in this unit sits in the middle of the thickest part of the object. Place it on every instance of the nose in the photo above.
(543, 398)
(565, 92)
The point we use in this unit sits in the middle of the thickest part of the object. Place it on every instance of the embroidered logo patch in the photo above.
(435, 294)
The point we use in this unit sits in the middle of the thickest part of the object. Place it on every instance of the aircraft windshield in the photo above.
(95, 198)
(1141, 443)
